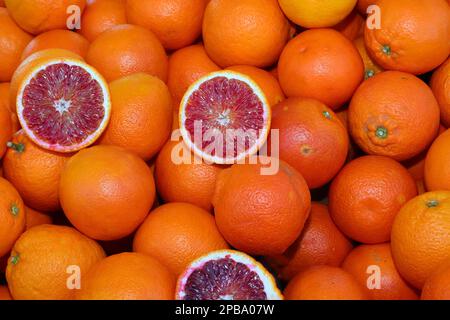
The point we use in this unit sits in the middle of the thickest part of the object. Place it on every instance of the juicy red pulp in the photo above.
(63, 104)
(224, 279)
(222, 104)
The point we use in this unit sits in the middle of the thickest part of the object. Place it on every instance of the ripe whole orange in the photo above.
(177, 23)
(178, 233)
(413, 36)
(366, 262)
(248, 32)
(324, 283)
(351, 27)
(106, 192)
(191, 180)
(40, 262)
(420, 237)
(35, 218)
(12, 216)
(437, 287)
(13, 41)
(320, 243)
(440, 84)
(127, 49)
(367, 194)
(35, 172)
(261, 214)
(186, 66)
(57, 39)
(311, 139)
(141, 117)
(321, 64)
(102, 15)
(437, 169)
(5, 104)
(37, 16)
(6, 129)
(127, 276)
(384, 120)
(370, 67)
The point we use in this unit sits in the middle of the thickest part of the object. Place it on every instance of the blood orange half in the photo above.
(63, 104)
(224, 117)
(226, 275)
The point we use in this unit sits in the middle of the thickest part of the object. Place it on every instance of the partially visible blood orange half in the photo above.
(63, 104)
(226, 275)
(224, 117)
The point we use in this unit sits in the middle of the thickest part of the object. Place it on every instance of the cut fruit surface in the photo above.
(224, 117)
(63, 104)
(226, 275)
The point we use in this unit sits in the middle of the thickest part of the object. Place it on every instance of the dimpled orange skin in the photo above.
(267, 82)
(414, 36)
(186, 66)
(14, 40)
(35, 218)
(437, 287)
(35, 172)
(61, 39)
(437, 168)
(311, 139)
(384, 120)
(321, 64)
(177, 23)
(185, 182)
(37, 268)
(324, 283)
(392, 287)
(370, 67)
(127, 276)
(261, 214)
(127, 49)
(321, 243)
(178, 233)
(440, 84)
(352, 26)
(247, 32)
(5, 103)
(12, 216)
(102, 15)
(366, 195)
(6, 129)
(420, 238)
(141, 118)
(106, 192)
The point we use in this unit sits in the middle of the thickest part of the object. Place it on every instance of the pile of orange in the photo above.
(349, 195)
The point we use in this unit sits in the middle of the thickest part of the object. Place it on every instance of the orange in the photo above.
(437, 169)
(362, 5)
(4, 103)
(6, 129)
(102, 15)
(317, 14)
(61, 39)
(321, 243)
(141, 118)
(321, 64)
(366, 195)
(2, 3)
(437, 287)
(186, 66)
(14, 40)
(367, 262)
(261, 214)
(35, 172)
(35, 218)
(352, 27)
(384, 120)
(324, 283)
(187, 179)
(413, 36)
(4, 293)
(440, 84)
(106, 192)
(37, 16)
(267, 82)
(127, 276)
(249, 32)
(420, 238)
(127, 49)
(177, 23)
(177, 233)
(43, 260)
(370, 67)
(311, 139)
(12, 216)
